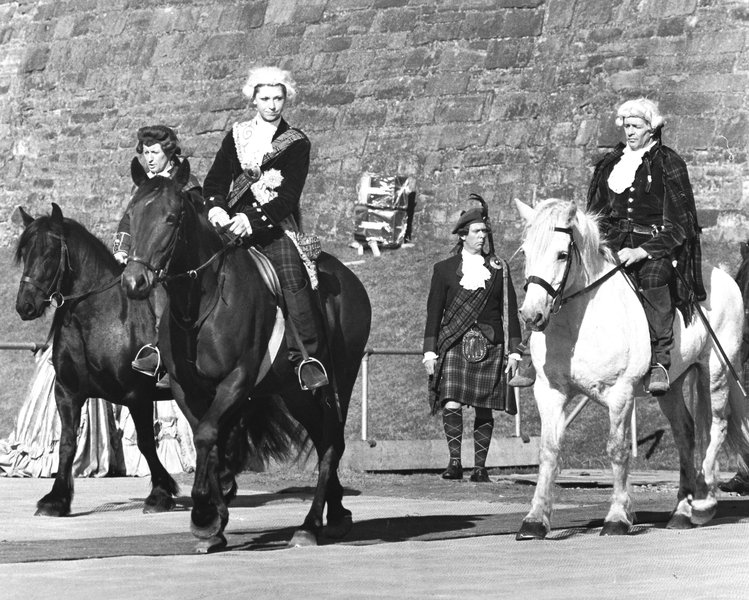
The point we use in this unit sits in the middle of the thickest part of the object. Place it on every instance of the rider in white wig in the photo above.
(269, 76)
(642, 192)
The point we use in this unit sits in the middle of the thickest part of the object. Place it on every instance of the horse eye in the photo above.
(563, 255)
(171, 218)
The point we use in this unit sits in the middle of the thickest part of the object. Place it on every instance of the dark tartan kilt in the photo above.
(478, 384)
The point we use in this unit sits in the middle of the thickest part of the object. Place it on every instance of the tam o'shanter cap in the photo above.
(472, 215)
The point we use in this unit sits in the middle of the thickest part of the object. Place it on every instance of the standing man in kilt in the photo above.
(471, 301)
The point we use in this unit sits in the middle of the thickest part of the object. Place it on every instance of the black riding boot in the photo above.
(659, 311)
(305, 315)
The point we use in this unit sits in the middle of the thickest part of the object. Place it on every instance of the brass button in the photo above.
(630, 209)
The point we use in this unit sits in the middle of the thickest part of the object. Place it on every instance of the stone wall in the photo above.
(509, 98)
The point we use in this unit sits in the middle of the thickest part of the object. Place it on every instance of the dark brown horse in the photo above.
(95, 333)
(739, 483)
(214, 343)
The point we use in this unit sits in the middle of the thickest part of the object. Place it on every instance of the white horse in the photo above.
(590, 338)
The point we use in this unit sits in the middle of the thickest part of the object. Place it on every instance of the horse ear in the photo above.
(572, 214)
(528, 213)
(20, 217)
(183, 173)
(137, 172)
(56, 213)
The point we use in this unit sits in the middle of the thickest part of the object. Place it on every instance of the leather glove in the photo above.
(121, 257)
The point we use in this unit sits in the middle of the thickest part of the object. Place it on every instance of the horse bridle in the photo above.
(556, 294)
(53, 292)
(161, 275)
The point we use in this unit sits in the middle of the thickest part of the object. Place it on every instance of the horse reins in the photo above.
(558, 300)
(161, 274)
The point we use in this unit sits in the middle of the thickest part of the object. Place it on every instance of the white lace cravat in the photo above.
(253, 140)
(475, 273)
(623, 173)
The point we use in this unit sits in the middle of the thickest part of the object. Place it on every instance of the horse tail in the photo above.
(737, 433)
(266, 430)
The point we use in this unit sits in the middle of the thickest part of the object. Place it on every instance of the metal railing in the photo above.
(33, 347)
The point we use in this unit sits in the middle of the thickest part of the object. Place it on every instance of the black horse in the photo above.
(215, 342)
(95, 333)
(739, 483)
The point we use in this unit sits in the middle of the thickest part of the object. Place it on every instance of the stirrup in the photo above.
(319, 376)
(662, 384)
(153, 372)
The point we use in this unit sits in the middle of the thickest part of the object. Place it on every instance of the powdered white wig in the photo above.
(644, 109)
(269, 76)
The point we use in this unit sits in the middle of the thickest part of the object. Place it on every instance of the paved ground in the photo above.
(414, 536)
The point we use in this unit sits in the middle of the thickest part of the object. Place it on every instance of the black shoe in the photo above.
(659, 383)
(148, 360)
(164, 382)
(525, 374)
(738, 484)
(454, 470)
(480, 475)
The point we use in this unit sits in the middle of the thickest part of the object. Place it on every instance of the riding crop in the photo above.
(714, 337)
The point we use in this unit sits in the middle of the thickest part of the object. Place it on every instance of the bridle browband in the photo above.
(558, 299)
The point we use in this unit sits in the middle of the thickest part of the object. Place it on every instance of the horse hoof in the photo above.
(531, 530)
(615, 528)
(338, 528)
(51, 510)
(303, 539)
(679, 521)
(213, 544)
(158, 504)
(206, 532)
(703, 511)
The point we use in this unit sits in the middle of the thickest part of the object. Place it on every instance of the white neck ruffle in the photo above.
(475, 273)
(623, 173)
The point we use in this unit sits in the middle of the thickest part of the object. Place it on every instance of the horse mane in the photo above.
(80, 240)
(555, 212)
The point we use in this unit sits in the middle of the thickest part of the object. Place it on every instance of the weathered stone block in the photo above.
(460, 108)
(522, 23)
(36, 59)
(412, 111)
(392, 20)
(335, 44)
(309, 11)
(447, 84)
(667, 8)
(365, 115)
(481, 25)
(594, 12)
